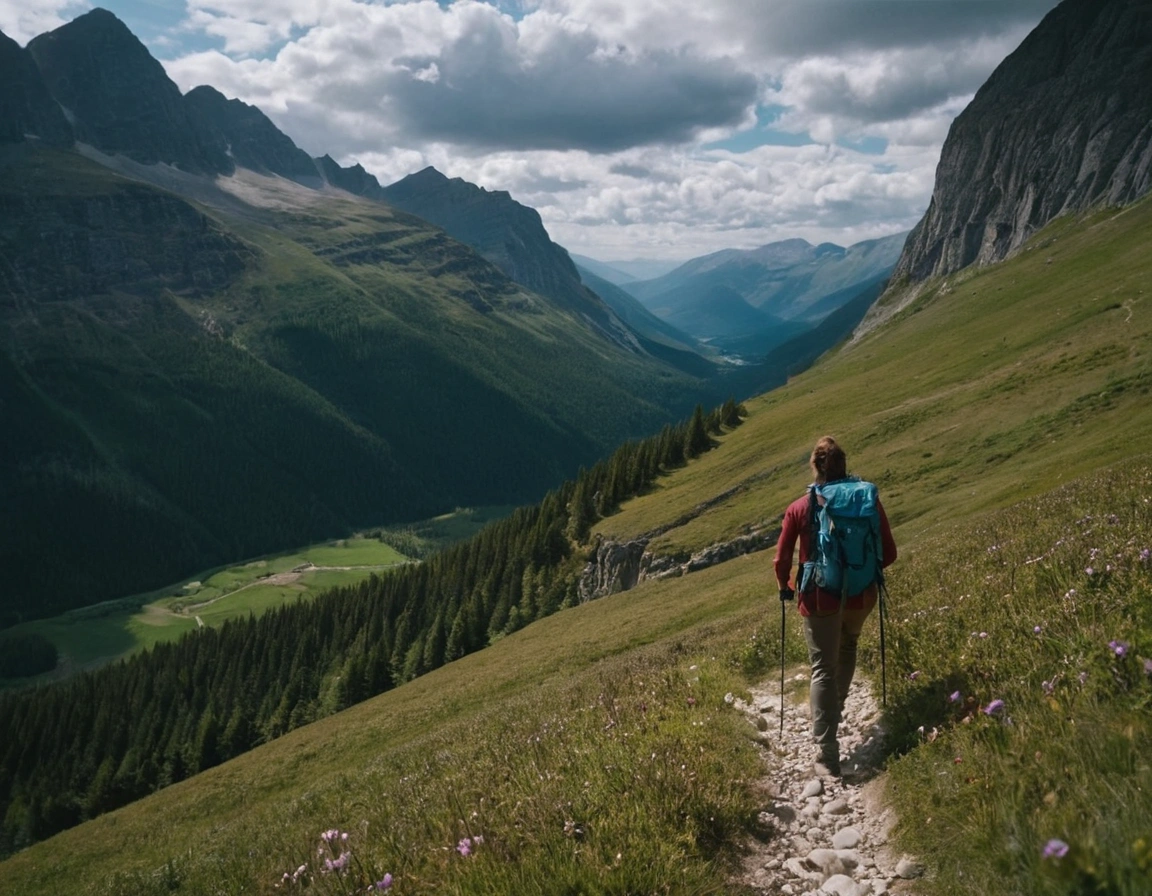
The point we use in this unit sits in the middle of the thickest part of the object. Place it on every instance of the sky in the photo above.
(654, 129)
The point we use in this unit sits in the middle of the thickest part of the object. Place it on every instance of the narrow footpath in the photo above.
(827, 836)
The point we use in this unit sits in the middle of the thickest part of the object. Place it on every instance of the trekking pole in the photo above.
(783, 620)
(883, 665)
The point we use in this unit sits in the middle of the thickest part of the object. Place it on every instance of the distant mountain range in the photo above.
(751, 301)
(620, 272)
(213, 346)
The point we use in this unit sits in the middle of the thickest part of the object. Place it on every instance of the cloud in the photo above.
(22, 20)
(599, 112)
(474, 76)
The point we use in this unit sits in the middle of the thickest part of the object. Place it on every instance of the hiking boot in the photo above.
(827, 767)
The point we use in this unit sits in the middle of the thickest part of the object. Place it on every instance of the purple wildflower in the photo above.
(1120, 648)
(983, 634)
(1145, 555)
(329, 835)
(994, 707)
(954, 697)
(383, 884)
(1089, 571)
(914, 675)
(464, 847)
(1055, 849)
(1036, 629)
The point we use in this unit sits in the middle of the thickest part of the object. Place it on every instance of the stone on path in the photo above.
(828, 836)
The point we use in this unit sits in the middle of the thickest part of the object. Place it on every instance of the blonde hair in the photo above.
(828, 460)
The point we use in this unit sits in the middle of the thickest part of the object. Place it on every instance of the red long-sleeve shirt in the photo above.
(796, 528)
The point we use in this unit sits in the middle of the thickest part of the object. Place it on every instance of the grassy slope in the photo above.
(996, 385)
(1000, 386)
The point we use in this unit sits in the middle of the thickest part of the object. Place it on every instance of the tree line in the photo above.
(99, 740)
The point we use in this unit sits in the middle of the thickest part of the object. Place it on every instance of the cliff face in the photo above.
(119, 99)
(1064, 123)
(26, 107)
(253, 141)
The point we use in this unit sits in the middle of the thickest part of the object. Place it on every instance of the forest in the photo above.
(85, 746)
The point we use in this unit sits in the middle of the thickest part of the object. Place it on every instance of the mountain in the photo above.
(749, 301)
(1062, 125)
(606, 272)
(212, 354)
(119, 98)
(508, 234)
(26, 107)
(353, 179)
(252, 140)
(659, 338)
(978, 398)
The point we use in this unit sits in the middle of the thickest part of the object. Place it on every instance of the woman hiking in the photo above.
(836, 593)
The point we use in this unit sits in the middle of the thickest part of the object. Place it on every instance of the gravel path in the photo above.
(824, 835)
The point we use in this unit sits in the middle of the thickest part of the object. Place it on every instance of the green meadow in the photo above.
(1006, 416)
(92, 636)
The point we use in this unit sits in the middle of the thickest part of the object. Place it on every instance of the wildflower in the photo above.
(1055, 849)
(1083, 676)
(1089, 570)
(983, 634)
(330, 835)
(1036, 629)
(1048, 686)
(383, 884)
(1120, 648)
(954, 697)
(464, 847)
(914, 675)
(691, 701)
(1145, 555)
(994, 707)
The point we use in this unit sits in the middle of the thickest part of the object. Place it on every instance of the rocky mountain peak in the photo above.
(118, 97)
(26, 107)
(1063, 124)
(251, 138)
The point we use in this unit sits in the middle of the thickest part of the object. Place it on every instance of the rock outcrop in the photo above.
(1063, 124)
(622, 565)
(26, 107)
(353, 179)
(119, 99)
(252, 140)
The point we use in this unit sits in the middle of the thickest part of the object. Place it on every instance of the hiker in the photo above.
(833, 619)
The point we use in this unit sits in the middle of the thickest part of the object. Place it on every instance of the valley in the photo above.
(215, 346)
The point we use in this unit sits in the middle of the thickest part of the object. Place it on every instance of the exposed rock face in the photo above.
(118, 98)
(354, 179)
(26, 107)
(1064, 123)
(253, 141)
(620, 566)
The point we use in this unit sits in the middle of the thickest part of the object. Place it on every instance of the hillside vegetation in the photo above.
(258, 366)
(593, 751)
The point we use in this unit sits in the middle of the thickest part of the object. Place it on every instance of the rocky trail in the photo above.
(827, 835)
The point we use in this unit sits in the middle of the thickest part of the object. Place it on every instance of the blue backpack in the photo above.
(847, 552)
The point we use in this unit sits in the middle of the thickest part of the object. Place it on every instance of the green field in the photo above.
(1006, 415)
(91, 636)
